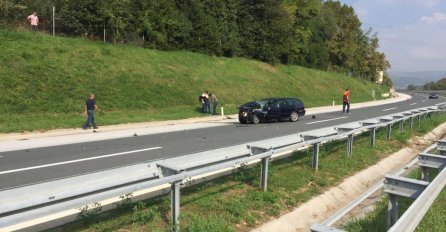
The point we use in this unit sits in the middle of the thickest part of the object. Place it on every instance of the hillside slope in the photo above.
(45, 82)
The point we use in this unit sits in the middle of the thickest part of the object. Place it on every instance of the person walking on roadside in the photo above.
(207, 105)
(214, 103)
(90, 106)
(346, 102)
(34, 21)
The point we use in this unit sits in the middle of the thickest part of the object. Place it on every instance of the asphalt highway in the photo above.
(24, 167)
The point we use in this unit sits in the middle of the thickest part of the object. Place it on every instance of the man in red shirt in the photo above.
(346, 102)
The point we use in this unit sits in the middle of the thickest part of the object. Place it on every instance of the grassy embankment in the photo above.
(45, 82)
(235, 203)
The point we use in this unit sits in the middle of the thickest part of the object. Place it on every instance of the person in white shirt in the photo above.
(206, 104)
(34, 21)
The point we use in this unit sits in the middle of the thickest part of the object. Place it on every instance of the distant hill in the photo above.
(403, 79)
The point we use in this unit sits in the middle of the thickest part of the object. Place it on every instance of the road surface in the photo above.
(28, 166)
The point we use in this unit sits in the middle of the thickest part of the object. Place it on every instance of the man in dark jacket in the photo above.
(90, 106)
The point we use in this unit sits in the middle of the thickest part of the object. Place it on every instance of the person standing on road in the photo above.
(90, 106)
(214, 103)
(33, 20)
(346, 102)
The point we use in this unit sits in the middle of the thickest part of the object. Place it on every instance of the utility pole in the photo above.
(54, 23)
(104, 32)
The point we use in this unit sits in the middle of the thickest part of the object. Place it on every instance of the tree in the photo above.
(320, 27)
(411, 87)
(116, 19)
(80, 17)
(265, 29)
(166, 26)
(224, 13)
(346, 41)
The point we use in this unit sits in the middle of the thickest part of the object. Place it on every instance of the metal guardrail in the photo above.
(422, 191)
(25, 203)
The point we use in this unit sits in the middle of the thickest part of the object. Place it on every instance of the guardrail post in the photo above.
(425, 173)
(397, 186)
(175, 204)
(315, 160)
(264, 174)
(401, 125)
(392, 210)
(389, 131)
(411, 123)
(441, 146)
(350, 146)
(373, 136)
(419, 120)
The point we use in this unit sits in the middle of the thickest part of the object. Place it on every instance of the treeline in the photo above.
(432, 85)
(313, 33)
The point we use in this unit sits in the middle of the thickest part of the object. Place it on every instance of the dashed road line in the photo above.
(390, 109)
(78, 160)
(331, 119)
(413, 104)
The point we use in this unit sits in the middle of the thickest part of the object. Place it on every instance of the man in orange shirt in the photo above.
(346, 102)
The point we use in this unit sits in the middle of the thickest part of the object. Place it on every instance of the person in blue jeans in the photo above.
(90, 106)
(214, 103)
(207, 104)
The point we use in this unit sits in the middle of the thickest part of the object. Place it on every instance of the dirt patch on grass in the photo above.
(267, 67)
(323, 206)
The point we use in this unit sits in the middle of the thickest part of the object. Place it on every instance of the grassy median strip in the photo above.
(45, 82)
(235, 203)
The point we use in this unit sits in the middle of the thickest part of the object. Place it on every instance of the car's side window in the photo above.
(269, 104)
(282, 103)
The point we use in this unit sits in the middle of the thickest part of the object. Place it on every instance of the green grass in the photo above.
(235, 203)
(45, 82)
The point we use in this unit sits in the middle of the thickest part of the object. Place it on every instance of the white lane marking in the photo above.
(1, 156)
(390, 109)
(413, 104)
(326, 120)
(78, 160)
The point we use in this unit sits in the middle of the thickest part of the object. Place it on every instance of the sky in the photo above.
(412, 33)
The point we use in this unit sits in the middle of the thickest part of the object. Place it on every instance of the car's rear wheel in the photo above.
(294, 116)
(255, 119)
